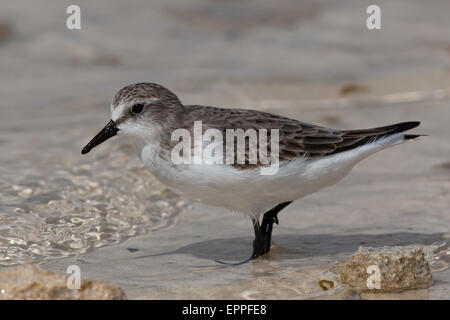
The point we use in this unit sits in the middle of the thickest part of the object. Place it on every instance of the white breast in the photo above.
(248, 191)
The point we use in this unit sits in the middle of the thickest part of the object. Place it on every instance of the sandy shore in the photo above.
(398, 197)
(313, 61)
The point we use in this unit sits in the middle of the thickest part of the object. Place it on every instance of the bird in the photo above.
(308, 157)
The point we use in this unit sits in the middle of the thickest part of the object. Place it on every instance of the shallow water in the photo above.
(56, 203)
(55, 90)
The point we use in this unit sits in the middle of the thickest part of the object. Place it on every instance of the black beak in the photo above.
(110, 130)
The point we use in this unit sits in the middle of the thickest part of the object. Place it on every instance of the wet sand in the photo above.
(313, 61)
(399, 197)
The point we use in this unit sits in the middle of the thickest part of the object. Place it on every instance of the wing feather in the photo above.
(296, 138)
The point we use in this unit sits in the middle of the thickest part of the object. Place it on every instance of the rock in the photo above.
(5, 31)
(352, 88)
(389, 269)
(29, 282)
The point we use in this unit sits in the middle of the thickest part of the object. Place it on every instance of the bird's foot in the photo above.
(260, 246)
(259, 249)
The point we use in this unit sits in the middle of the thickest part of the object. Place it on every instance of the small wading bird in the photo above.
(310, 157)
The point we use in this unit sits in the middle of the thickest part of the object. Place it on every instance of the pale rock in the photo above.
(399, 269)
(30, 282)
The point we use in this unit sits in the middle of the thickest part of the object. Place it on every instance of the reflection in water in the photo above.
(51, 210)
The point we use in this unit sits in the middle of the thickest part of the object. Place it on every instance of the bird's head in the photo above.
(140, 111)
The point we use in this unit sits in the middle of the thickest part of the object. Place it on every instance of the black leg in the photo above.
(267, 223)
(263, 233)
(258, 243)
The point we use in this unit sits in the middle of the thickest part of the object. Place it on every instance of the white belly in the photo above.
(248, 191)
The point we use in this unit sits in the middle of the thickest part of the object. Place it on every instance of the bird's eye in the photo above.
(137, 108)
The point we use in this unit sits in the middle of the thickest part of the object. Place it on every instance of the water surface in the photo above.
(56, 202)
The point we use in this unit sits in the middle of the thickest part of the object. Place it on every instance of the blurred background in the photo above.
(312, 60)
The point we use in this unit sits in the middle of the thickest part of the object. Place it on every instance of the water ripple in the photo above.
(61, 209)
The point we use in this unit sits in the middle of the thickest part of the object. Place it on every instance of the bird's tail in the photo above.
(388, 134)
(386, 130)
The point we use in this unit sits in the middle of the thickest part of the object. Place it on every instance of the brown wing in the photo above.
(296, 138)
